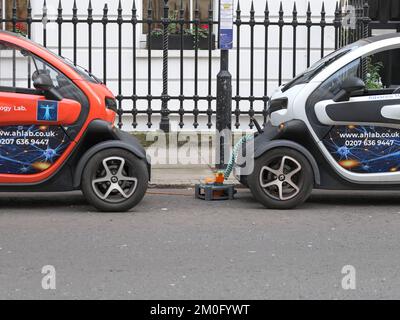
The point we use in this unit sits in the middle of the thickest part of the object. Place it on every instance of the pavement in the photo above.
(184, 176)
(174, 168)
(173, 246)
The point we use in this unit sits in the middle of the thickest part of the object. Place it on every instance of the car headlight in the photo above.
(277, 104)
(111, 104)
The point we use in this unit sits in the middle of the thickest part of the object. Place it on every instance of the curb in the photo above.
(184, 186)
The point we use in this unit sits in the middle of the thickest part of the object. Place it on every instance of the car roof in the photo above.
(12, 34)
(382, 37)
(20, 37)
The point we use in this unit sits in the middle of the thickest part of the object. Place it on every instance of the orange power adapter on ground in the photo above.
(215, 189)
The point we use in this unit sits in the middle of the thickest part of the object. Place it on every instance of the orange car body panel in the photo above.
(24, 108)
(95, 93)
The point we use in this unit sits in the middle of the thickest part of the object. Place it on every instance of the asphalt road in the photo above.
(176, 247)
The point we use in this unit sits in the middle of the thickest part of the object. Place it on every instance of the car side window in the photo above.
(13, 67)
(64, 86)
(56, 77)
(19, 68)
(383, 71)
(381, 76)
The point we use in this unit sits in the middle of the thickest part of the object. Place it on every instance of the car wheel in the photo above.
(282, 179)
(244, 181)
(115, 180)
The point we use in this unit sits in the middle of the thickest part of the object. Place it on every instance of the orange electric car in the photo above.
(57, 130)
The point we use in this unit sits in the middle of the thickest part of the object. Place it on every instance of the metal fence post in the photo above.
(224, 92)
(164, 123)
(224, 108)
(365, 20)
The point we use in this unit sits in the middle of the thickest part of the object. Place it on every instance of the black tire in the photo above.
(132, 191)
(244, 181)
(287, 190)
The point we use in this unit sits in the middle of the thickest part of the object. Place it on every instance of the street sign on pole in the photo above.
(226, 25)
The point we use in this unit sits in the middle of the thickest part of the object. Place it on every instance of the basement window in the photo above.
(6, 9)
(154, 37)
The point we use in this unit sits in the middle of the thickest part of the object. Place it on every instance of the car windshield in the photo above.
(316, 68)
(81, 70)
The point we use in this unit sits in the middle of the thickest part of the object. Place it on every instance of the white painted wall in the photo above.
(112, 57)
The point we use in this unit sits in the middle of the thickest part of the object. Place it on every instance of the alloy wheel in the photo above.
(281, 178)
(113, 181)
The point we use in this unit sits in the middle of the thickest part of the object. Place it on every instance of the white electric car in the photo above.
(329, 129)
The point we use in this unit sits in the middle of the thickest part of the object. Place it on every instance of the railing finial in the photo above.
(295, 13)
(74, 12)
(30, 8)
(44, 7)
(281, 14)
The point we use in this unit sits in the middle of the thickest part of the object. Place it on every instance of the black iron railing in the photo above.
(355, 25)
(143, 101)
(355, 21)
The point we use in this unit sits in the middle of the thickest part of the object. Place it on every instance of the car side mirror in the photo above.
(349, 86)
(44, 83)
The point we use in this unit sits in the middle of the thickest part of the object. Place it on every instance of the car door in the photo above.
(33, 128)
(359, 130)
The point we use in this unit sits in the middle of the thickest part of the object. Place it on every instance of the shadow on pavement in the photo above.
(42, 201)
(355, 198)
(337, 198)
(75, 201)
